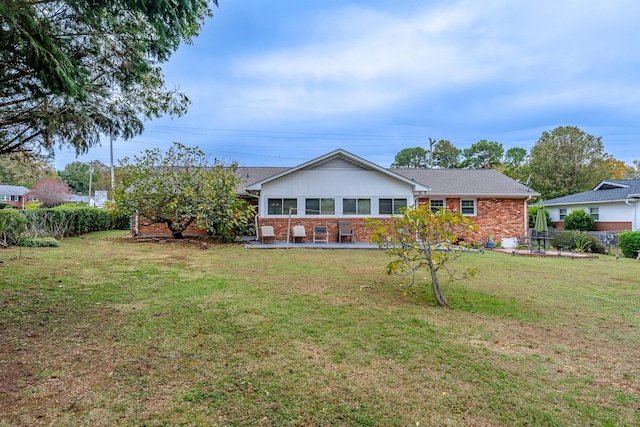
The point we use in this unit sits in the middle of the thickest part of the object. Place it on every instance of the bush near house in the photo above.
(577, 240)
(629, 242)
(579, 220)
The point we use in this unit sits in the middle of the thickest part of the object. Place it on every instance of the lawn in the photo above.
(102, 331)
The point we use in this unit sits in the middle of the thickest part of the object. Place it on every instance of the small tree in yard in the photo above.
(50, 192)
(422, 238)
(180, 188)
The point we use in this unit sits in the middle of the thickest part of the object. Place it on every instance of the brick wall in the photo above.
(500, 218)
(147, 229)
(360, 232)
(602, 225)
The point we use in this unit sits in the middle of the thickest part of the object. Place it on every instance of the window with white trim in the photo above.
(436, 205)
(356, 206)
(595, 213)
(320, 206)
(563, 213)
(282, 206)
(391, 206)
(468, 207)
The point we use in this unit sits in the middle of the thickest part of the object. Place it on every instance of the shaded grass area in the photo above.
(101, 331)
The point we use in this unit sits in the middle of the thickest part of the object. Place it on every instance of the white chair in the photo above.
(267, 232)
(299, 232)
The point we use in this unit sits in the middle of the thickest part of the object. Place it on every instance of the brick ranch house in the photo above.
(342, 186)
(15, 195)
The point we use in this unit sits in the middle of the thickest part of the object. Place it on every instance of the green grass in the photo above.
(100, 331)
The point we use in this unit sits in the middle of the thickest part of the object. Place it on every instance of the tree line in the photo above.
(565, 160)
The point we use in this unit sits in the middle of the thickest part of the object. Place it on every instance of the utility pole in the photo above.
(432, 142)
(113, 178)
(90, 180)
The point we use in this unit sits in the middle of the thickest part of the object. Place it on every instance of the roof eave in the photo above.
(589, 202)
(487, 195)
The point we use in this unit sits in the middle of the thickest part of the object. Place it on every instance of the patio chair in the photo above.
(320, 233)
(344, 230)
(266, 232)
(299, 232)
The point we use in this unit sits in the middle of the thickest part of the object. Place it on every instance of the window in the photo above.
(281, 206)
(2, 197)
(436, 205)
(320, 206)
(391, 206)
(356, 206)
(595, 213)
(563, 213)
(468, 207)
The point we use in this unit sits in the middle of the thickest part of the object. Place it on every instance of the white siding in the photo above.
(335, 179)
(607, 212)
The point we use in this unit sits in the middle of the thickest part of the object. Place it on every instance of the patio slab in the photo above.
(307, 245)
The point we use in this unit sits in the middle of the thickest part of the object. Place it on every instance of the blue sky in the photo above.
(277, 83)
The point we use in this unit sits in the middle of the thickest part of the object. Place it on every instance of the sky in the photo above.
(278, 83)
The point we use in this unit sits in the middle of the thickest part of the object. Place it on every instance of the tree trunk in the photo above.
(437, 291)
(176, 232)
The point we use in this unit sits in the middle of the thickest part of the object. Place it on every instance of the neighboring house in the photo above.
(13, 194)
(342, 186)
(613, 204)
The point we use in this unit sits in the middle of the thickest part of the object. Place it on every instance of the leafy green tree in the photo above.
(483, 155)
(515, 157)
(567, 161)
(24, 169)
(73, 70)
(414, 158)
(579, 219)
(76, 174)
(446, 155)
(180, 188)
(421, 238)
(515, 164)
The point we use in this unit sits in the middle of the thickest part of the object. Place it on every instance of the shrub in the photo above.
(629, 242)
(579, 220)
(39, 242)
(12, 225)
(577, 240)
(533, 211)
(4, 205)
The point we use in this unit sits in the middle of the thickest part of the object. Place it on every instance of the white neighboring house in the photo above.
(614, 204)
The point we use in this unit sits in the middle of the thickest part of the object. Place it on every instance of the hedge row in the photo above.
(56, 223)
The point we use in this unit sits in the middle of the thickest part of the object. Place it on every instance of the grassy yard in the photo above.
(101, 331)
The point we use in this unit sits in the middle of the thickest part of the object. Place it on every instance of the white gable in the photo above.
(336, 178)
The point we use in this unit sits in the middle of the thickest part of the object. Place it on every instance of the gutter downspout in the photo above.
(526, 214)
(635, 215)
